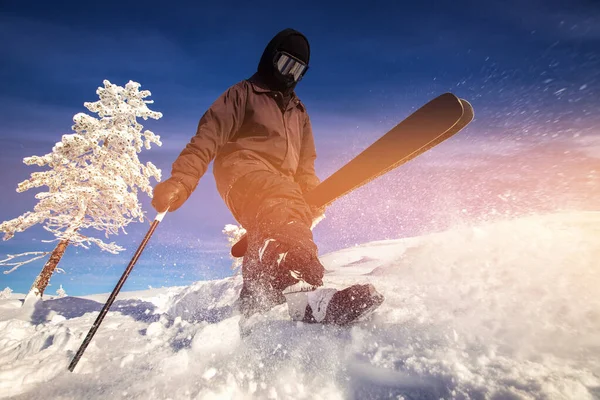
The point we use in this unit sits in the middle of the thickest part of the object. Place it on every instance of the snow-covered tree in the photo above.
(93, 178)
(5, 294)
(60, 292)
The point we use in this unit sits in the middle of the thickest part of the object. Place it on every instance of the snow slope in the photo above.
(509, 310)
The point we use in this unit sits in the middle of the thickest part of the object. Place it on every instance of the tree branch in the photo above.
(15, 265)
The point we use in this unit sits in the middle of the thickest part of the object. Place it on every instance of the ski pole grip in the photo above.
(159, 217)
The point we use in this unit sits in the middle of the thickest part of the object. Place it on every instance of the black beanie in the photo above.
(296, 45)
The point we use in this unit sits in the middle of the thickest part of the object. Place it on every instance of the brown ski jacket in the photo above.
(248, 129)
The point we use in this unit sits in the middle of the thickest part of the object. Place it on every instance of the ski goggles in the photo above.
(287, 64)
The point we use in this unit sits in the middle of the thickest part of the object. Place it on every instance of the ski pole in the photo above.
(115, 291)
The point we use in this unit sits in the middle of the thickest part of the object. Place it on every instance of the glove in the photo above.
(170, 194)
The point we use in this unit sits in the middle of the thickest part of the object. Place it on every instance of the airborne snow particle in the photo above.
(209, 374)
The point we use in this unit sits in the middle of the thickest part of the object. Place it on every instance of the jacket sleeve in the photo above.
(305, 174)
(216, 127)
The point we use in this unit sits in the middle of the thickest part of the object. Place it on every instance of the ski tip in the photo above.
(448, 101)
(448, 96)
(468, 112)
(239, 248)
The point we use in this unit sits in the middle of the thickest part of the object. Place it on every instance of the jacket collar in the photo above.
(259, 87)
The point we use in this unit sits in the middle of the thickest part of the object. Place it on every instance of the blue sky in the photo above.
(531, 71)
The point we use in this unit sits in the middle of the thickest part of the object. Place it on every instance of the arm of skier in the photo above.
(218, 124)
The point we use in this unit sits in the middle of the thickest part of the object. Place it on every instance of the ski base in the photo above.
(427, 127)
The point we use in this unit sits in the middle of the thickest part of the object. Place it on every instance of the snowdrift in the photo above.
(509, 310)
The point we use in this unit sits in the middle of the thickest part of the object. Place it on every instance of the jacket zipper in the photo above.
(287, 139)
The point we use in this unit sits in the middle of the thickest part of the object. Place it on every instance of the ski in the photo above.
(436, 121)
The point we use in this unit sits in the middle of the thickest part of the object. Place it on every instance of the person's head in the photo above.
(285, 60)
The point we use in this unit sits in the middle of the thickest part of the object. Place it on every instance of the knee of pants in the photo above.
(267, 197)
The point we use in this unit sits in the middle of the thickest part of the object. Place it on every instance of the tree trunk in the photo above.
(43, 278)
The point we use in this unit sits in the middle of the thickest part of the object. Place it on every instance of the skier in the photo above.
(259, 134)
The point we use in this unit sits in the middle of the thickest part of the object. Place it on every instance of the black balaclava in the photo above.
(290, 41)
